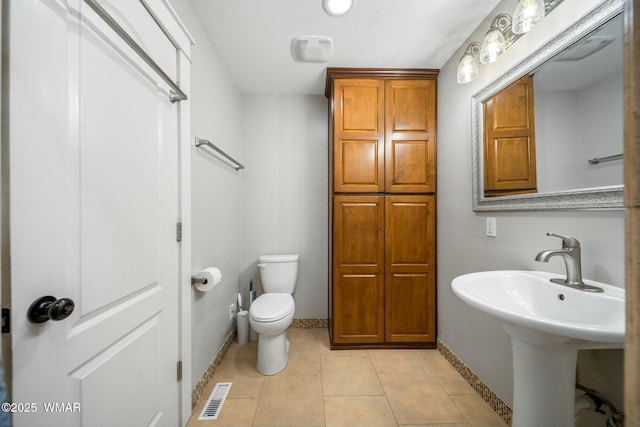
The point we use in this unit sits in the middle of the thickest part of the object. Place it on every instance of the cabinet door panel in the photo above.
(358, 135)
(410, 307)
(410, 232)
(510, 163)
(410, 269)
(358, 269)
(358, 313)
(410, 136)
(358, 232)
(358, 168)
(509, 140)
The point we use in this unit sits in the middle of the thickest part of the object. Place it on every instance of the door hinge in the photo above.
(6, 321)
(179, 232)
(179, 370)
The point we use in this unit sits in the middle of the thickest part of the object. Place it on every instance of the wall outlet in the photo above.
(491, 227)
(232, 311)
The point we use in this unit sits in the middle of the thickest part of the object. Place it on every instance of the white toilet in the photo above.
(272, 312)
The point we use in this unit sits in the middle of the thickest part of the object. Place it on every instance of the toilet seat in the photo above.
(271, 307)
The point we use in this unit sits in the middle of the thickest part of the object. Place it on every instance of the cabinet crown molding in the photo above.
(377, 73)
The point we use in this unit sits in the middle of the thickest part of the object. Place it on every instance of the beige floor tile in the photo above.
(358, 411)
(399, 361)
(289, 413)
(434, 425)
(247, 351)
(234, 413)
(291, 400)
(309, 339)
(347, 373)
(477, 411)
(446, 375)
(247, 381)
(293, 387)
(418, 399)
(303, 362)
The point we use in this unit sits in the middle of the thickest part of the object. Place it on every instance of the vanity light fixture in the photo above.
(337, 7)
(504, 31)
(468, 65)
(527, 14)
(495, 42)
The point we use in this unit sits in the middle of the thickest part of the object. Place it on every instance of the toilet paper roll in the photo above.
(213, 277)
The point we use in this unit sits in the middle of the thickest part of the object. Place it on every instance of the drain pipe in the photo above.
(594, 401)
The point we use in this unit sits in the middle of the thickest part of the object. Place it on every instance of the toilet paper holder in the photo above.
(198, 280)
(206, 279)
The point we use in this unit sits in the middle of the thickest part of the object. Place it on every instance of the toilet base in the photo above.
(273, 353)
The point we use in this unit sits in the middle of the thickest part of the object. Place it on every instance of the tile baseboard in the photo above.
(211, 369)
(498, 405)
(309, 323)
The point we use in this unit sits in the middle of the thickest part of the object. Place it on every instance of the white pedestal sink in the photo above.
(548, 323)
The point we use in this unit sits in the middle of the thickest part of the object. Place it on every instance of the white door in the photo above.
(93, 210)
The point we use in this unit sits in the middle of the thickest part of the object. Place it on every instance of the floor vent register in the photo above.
(216, 400)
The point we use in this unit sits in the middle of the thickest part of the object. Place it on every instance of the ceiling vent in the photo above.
(584, 48)
(311, 48)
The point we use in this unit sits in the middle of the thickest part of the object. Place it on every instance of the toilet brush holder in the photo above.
(243, 327)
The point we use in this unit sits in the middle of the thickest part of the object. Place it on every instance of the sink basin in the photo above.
(564, 316)
(547, 323)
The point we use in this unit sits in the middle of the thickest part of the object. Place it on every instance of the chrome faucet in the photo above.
(570, 253)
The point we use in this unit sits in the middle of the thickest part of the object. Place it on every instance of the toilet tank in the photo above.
(278, 273)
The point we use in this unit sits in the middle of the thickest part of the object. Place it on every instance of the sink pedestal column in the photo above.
(543, 383)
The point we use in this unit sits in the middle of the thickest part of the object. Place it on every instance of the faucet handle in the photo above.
(567, 241)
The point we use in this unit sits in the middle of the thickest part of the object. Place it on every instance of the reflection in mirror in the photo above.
(509, 140)
(548, 134)
(578, 108)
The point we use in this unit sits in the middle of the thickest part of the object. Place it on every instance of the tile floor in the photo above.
(350, 388)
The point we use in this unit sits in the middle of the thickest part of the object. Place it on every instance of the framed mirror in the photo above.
(574, 147)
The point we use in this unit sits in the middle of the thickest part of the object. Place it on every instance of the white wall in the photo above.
(216, 189)
(573, 126)
(285, 151)
(478, 339)
(601, 113)
(557, 120)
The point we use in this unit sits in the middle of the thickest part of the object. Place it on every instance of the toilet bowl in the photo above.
(271, 315)
(272, 312)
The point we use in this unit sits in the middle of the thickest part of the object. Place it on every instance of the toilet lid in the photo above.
(272, 307)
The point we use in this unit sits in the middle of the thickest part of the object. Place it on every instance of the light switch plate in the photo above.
(491, 227)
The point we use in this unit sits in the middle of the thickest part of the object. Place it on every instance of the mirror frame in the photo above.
(606, 197)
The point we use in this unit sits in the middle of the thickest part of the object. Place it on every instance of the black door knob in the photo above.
(49, 308)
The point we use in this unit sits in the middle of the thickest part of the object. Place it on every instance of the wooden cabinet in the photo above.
(509, 140)
(384, 136)
(382, 207)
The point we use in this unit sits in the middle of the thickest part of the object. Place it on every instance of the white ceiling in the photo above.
(253, 37)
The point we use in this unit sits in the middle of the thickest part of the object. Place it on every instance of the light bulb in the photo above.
(337, 7)
(467, 69)
(492, 46)
(527, 14)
